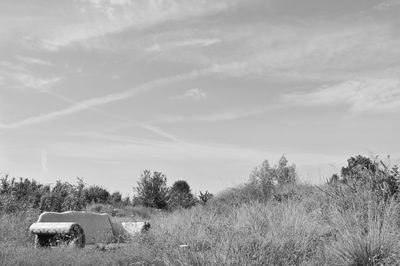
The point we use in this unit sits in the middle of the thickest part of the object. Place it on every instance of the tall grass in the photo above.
(366, 237)
(290, 225)
(252, 233)
(14, 227)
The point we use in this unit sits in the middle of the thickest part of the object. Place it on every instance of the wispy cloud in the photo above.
(290, 52)
(161, 47)
(126, 121)
(195, 94)
(118, 148)
(101, 17)
(30, 82)
(372, 95)
(34, 61)
(123, 147)
(98, 101)
(215, 117)
(387, 4)
(21, 74)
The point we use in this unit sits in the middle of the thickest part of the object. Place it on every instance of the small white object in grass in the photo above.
(184, 246)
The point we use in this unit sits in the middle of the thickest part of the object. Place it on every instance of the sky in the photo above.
(200, 90)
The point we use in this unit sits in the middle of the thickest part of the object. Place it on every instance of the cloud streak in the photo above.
(28, 81)
(115, 147)
(99, 101)
(21, 75)
(370, 95)
(34, 61)
(195, 94)
(211, 118)
(113, 16)
(158, 131)
(161, 47)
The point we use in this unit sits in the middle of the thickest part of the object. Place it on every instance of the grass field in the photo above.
(310, 227)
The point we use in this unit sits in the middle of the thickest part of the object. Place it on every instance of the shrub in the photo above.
(265, 175)
(205, 197)
(362, 174)
(116, 198)
(180, 196)
(264, 179)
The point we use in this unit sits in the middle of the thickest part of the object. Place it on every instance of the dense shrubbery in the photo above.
(20, 195)
(152, 192)
(265, 183)
(25, 194)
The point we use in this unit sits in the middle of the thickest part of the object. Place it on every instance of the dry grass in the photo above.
(366, 240)
(309, 228)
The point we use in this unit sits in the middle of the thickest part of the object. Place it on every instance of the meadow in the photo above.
(353, 221)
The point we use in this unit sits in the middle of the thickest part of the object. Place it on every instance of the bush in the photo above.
(363, 174)
(205, 197)
(116, 198)
(180, 196)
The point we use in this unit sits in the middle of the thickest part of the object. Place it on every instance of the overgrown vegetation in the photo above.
(272, 219)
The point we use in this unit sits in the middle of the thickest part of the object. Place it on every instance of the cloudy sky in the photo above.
(201, 90)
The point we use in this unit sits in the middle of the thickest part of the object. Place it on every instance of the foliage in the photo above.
(116, 198)
(180, 195)
(20, 195)
(96, 194)
(264, 179)
(265, 175)
(23, 194)
(362, 173)
(152, 190)
(205, 197)
(341, 223)
(64, 197)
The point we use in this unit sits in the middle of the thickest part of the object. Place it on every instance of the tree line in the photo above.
(151, 191)
(265, 182)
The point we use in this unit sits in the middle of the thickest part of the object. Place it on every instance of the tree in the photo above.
(75, 200)
(266, 176)
(96, 194)
(180, 195)
(152, 190)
